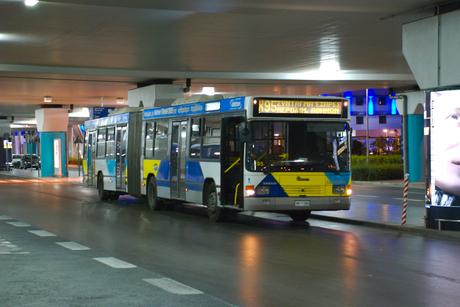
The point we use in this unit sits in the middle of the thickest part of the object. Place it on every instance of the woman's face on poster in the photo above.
(448, 174)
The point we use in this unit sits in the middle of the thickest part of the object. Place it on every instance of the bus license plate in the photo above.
(302, 203)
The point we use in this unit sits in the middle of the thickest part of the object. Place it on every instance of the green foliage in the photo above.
(379, 167)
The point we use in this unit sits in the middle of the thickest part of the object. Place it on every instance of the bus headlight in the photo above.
(349, 190)
(250, 190)
(263, 190)
(339, 189)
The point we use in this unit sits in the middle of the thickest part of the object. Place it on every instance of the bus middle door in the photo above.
(91, 155)
(178, 155)
(120, 149)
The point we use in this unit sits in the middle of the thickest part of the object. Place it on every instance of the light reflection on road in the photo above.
(249, 269)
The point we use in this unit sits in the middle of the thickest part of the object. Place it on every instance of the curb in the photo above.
(450, 235)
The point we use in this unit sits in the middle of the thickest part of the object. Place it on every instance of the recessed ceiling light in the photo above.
(120, 100)
(47, 99)
(30, 2)
(208, 90)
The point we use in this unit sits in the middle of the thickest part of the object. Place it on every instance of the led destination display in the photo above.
(307, 107)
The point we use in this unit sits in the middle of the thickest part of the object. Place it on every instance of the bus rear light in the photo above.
(250, 190)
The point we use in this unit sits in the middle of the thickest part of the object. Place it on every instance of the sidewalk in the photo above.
(392, 183)
(386, 215)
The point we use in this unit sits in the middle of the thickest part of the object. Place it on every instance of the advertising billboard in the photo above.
(445, 148)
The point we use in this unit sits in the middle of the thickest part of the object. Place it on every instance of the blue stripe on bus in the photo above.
(194, 177)
(163, 171)
(194, 172)
(163, 183)
(275, 188)
(339, 179)
(111, 167)
(194, 186)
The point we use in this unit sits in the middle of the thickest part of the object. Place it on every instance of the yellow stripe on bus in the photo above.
(151, 167)
(300, 184)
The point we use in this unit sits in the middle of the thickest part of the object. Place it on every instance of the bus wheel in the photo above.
(114, 196)
(103, 194)
(152, 198)
(300, 216)
(215, 213)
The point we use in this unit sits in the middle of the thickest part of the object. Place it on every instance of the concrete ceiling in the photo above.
(90, 52)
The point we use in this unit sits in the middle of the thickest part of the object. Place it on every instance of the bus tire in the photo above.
(152, 196)
(103, 194)
(215, 212)
(114, 196)
(300, 216)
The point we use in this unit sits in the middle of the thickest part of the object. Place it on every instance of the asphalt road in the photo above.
(251, 261)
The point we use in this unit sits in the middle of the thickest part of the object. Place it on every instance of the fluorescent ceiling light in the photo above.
(15, 126)
(208, 90)
(32, 121)
(80, 112)
(30, 2)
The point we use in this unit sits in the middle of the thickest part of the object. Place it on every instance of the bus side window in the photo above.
(211, 138)
(149, 138)
(195, 138)
(161, 139)
(101, 137)
(110, 143)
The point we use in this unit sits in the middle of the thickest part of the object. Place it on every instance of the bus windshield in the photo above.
(298, 146)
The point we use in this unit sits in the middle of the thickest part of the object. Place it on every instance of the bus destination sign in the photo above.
(299, 107)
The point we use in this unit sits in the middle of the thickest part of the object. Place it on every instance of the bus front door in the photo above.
(121, 144)
(232, 163)
(178, 154)
(91, 155)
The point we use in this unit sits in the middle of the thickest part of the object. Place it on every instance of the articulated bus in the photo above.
(276, 154)
(111, 154)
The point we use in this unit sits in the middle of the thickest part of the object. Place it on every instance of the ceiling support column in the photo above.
(52, 125)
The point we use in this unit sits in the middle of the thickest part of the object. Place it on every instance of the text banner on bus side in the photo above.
(197, 108)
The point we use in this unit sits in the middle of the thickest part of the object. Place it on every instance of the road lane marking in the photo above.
(73, 246)
(372, 196)
(42, 233)
(5, 218)
(18, 224)
(115, 263)
(172, 286)
(8, 248)
(410, 199)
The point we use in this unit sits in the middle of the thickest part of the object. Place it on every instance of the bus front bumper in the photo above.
(293, 203)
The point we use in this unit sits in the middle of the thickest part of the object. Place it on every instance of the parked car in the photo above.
(17, 161)
(31, 161)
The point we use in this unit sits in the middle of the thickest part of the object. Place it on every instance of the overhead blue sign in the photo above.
(197, 108)
(99, 112)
